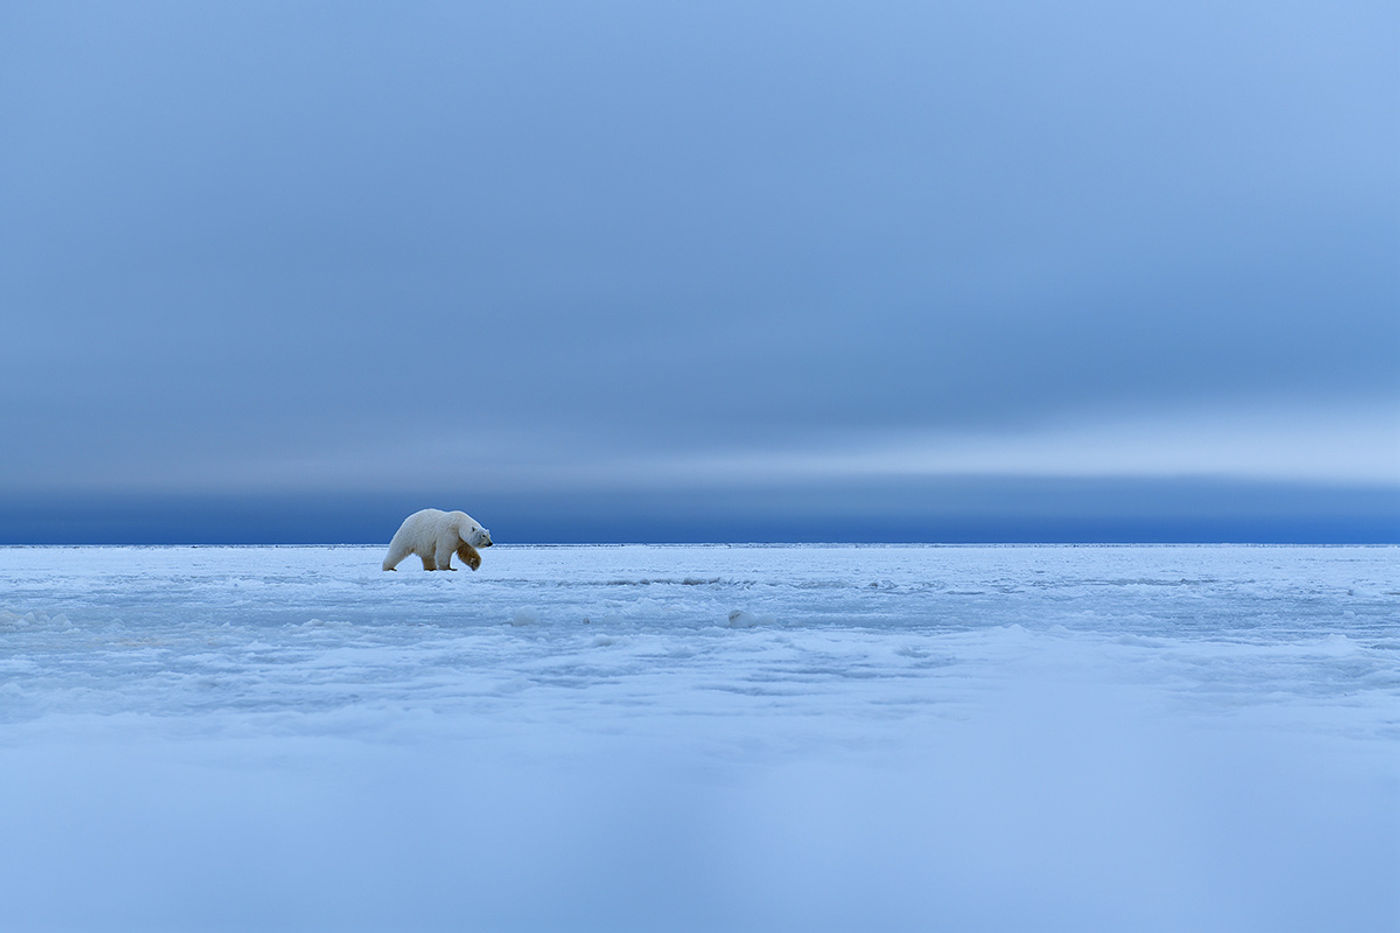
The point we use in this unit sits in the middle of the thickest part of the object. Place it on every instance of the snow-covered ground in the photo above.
(701, 738)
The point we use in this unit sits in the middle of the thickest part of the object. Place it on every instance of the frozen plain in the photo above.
(701, 738)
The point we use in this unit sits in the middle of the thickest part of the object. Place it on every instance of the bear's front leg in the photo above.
(468, 555)
(443, 557)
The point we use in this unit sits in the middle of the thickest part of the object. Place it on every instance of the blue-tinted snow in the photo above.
(642, 738)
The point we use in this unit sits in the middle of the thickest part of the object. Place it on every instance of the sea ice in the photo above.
(737, 738)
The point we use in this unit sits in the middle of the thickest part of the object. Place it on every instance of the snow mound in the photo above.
(739, 618)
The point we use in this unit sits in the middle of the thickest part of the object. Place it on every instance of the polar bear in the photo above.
(435, 535)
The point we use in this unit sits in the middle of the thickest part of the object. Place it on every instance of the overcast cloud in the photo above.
(472, 251)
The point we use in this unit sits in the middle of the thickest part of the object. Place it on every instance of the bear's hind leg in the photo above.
(429, 563)
(394, 557)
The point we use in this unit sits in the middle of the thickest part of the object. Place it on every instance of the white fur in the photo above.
(434, 536)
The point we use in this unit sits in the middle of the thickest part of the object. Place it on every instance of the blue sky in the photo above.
(651, 271)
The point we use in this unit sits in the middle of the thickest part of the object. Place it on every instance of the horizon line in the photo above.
(754, 543)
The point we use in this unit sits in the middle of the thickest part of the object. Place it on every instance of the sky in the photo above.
(286, 272)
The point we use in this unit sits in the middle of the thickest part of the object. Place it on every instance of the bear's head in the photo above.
(472, 533)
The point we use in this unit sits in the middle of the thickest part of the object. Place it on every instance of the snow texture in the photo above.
(701, 738)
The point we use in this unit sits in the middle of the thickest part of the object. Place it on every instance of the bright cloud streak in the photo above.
(1344, 445)
(1319, 446)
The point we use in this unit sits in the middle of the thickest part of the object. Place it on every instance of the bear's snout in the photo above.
(485, 540)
